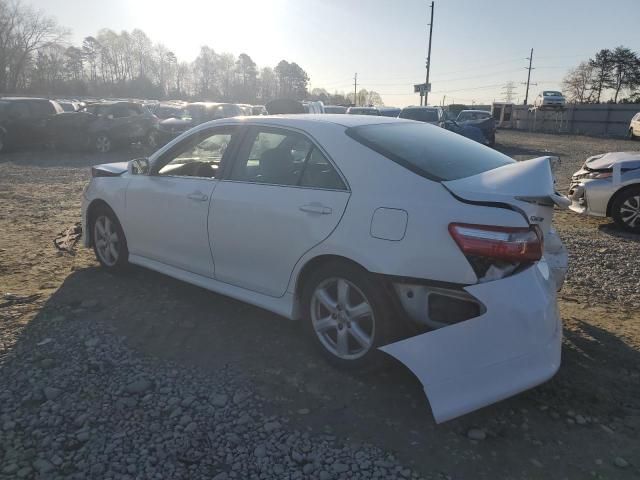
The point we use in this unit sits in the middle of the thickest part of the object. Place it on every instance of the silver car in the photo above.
(608, 185)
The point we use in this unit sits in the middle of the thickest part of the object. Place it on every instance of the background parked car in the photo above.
(482, 120)
(169, 110)
(549, 99)
(24, 121)
(69, 105)
(363, 111)
(104, 126)
(389, 111)
(245, 108)
(339, 109)
(258, 110)
(432, 115)
(194, 114)
(313, 107)
(634, 127)
(608, 185)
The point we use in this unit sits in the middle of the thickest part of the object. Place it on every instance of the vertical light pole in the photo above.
(426, 92)
(355, 89)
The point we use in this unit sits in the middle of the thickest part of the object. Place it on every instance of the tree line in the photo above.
(36, 58)
(611, 76)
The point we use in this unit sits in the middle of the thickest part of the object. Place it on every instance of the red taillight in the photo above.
(510, 244)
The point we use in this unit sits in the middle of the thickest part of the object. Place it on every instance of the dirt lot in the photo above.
(584, 423)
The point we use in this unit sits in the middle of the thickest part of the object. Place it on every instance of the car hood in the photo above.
(175, 122)
(109, 169)
(629, 160)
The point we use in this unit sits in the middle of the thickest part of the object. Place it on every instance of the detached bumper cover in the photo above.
(513, 346)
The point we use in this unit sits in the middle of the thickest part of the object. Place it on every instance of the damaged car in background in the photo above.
(392, 236)
(104, 126)
(608, 185)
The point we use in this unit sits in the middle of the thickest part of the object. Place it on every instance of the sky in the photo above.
(478, 45)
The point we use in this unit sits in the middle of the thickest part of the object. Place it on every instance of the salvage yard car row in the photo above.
(103, 125)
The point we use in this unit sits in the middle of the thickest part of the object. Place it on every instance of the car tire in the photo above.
(108, 239)
(348, 314)
(102, 143)
(631, 135)
(625, 209)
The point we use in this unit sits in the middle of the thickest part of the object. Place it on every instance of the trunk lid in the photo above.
(527, 186)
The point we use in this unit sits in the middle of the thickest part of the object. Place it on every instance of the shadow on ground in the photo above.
(168, 319)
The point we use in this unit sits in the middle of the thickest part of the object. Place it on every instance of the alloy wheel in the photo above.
(103, 144)
(106, 240)
(630, 211)
(342, 318)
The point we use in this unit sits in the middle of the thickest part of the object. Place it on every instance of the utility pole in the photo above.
(355, 89)
(530, 58)
(426, 92)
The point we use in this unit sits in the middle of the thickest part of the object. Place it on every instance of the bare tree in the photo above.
(577, 84)
(23, 31)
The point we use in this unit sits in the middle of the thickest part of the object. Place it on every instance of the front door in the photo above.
(280, 199)
(167, 210)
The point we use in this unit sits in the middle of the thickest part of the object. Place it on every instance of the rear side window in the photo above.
(429, 151)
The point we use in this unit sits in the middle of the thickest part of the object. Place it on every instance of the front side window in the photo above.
(280, 157)
(199, 156)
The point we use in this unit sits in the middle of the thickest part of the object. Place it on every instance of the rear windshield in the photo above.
(429, 151)
(420, 114)
(464, 116)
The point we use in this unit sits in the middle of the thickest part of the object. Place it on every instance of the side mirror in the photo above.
(139, 166)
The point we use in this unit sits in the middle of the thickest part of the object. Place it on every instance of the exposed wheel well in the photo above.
(615, 196)
(94, 207)
(306, 271)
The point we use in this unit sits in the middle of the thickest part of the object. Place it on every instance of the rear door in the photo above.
(281, 197)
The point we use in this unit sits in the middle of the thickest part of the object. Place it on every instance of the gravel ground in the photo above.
(145, 377)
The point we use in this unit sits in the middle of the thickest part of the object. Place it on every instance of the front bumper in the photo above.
(590, 196)
(513, 346)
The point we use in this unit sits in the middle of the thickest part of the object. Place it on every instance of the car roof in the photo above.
(476, 111)
(26, 98)
(420, 107)
(307, 120)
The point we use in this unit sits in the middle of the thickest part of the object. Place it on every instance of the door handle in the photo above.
(197, 196)
(315, 208)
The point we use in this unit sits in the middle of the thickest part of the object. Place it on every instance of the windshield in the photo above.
(464, 116)
(420, 114)
(552, 94)
(428, 150)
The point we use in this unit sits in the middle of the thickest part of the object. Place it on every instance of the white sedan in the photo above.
(380, 234)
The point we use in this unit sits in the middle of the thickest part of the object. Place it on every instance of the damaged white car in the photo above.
(357, 226)
(608, 185)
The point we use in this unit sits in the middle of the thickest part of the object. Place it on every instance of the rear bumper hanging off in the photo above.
(513, 346)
